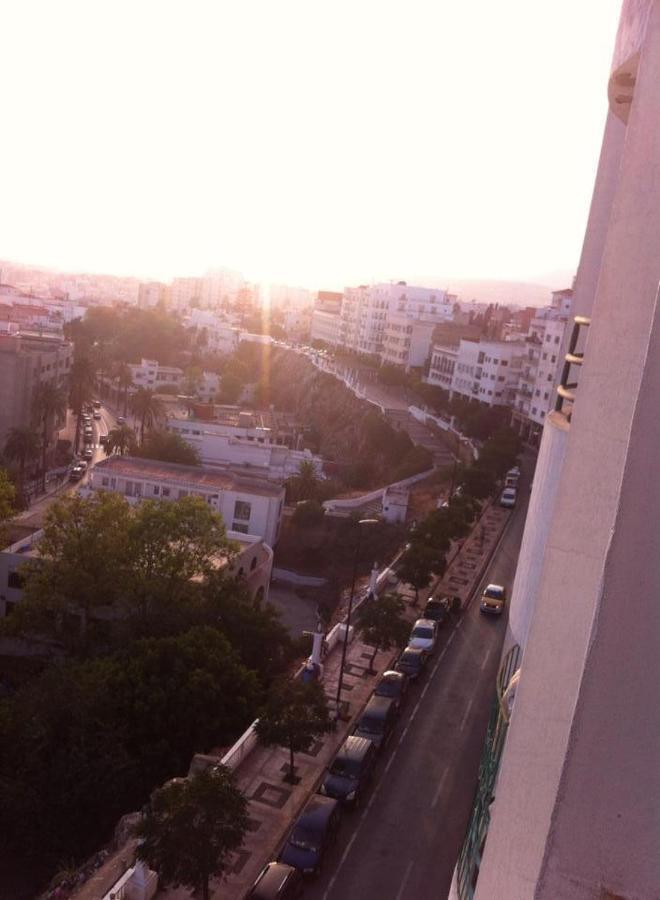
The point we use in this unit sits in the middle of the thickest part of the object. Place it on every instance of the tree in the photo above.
(382, 625)
(124, 378)
(120, 440)
(48, 404)
(191, 826)
(7, 496)
(146, 406)
(303, 485)
(294, 715)
(168, 447)
(22, 446)
(416, 567)
(308, 514)
(231, 388)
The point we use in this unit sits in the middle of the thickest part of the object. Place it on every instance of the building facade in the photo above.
(442, 365)
(487, 371)
(247, 505)
(566, 805)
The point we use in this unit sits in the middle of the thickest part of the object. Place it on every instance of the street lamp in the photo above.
(350, 607)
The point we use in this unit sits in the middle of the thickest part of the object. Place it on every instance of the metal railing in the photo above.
(566, 388)
(469, 860)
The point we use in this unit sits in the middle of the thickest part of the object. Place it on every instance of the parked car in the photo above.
(393, 685)
(77, 471)
(493, 599)
(277, 881)
(377, 721)
(423, 635)
(351, 771)
(97, 404)
(508, 497)
(88, 438)
(314, 831)
(412, 662)
(97, 414)
(88, 453)
(436, 609)
(121, 420)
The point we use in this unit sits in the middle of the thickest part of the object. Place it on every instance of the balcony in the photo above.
(574, 357)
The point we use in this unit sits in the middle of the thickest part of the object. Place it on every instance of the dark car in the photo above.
(314, 832)
(351, 771)
(377, 721)
(412, 662)
(436, 609)
(393, 685)
(277, 882)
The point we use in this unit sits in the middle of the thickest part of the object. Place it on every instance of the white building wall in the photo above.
(443, 364)
(325, 327)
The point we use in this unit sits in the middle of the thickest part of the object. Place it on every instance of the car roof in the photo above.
(392, 675)
(354, 747)
(424, 623)
(317, 812)
(271, 880)
(412, 652)
(435, 601)
(509, 490)
(495, 588)
(378, 705)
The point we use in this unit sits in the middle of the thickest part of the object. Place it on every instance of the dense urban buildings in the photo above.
(572, 812)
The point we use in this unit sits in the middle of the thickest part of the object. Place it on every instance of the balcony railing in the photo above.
(469, 860)
(566, 388)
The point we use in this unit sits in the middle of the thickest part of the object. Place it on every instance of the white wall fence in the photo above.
(358, 502)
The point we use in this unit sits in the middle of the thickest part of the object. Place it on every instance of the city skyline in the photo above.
(350, 145)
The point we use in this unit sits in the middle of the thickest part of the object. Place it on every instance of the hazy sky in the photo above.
(315, 143)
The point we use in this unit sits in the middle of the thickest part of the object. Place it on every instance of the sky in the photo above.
(304, 142)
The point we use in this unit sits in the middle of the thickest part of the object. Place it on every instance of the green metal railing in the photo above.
(469, 860)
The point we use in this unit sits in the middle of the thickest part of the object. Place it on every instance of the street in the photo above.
(405, 842)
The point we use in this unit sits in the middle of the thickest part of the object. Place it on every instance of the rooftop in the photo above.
(222, 479)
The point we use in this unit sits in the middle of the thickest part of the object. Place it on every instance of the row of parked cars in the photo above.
(509, 494)
(91, 411)
(349, 775)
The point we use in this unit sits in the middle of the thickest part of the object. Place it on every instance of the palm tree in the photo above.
(147, 408)
(120, 440)
(81, 390)
(22, 446)
(124, 378)
(48, 404)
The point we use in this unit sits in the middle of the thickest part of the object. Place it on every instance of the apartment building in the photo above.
(219, 333)
(27, 360)
(442, 365)
(326, 318)
(247, 505)
(184, 292)
(407, 341)
(152, 294)
(541, 367)
(487, 371)
(566, 802)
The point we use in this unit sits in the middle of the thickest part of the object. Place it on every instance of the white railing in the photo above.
(244, 745)
(363, 499)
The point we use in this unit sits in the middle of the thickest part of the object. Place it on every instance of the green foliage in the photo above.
(294, 715)
(168, 447)
(190, 828)
(132, 334)
(308, 514)
(304, 485)
(146, 407)
(49, 403)
(22, 447)
(231, 388)
(417, 566)
(86, 741)
(7, 497)
(382, 624)
(121, 440)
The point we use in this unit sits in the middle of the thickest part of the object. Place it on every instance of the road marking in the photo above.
(441, 784)
(467, 712)
(405, 880)
(485, 660)
(331, 883)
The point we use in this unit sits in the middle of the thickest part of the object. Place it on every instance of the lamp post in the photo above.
(350, 607)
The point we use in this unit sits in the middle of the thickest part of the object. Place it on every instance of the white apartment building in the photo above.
(442, 366)
(488, 371)
(183, 292)
(566, 804)
(148, 373)
(326, 318)
(221, 335)
(406, 341)
(247, 505)
(250, 447)
(541, 368)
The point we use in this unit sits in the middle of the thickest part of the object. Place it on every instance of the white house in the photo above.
(249, 446)
(247, 505)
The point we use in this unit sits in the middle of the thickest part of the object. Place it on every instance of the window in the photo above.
(557, 339)
(538, 393)
(156, 490)
(505, 362)
(533, 410)
(549, 376)
(500, 377)
(553, 358)
(253, 564)
(105, 481)
(165, 492)
(496, 361)
(242, 510)
(240, 527)
(545, 356)
(546, 395)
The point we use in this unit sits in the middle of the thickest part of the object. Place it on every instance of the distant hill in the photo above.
(520, 293)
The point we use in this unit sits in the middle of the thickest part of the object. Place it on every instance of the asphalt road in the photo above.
(405, 841)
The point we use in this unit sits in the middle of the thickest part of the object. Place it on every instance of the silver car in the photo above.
(423, 635)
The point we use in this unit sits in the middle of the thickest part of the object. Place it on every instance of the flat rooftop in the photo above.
(204, 476)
